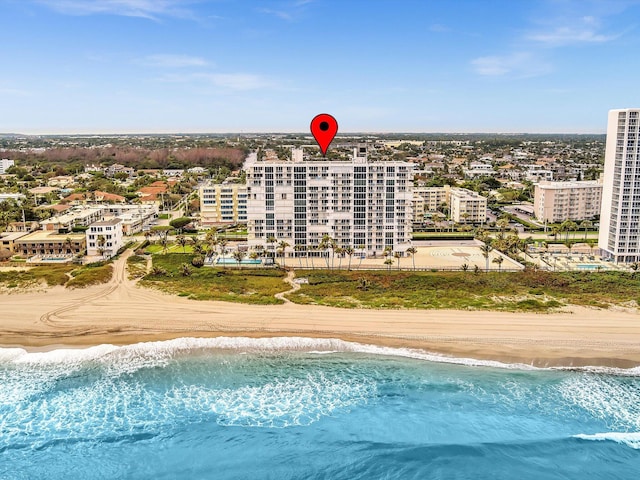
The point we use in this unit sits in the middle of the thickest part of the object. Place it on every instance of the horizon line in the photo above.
(245, 133)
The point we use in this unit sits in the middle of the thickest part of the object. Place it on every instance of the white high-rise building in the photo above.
(620, 213)
(359, 203)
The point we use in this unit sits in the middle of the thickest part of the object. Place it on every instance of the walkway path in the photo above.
(294, 287)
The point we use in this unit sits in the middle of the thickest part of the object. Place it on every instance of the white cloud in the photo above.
(561, 36)
(151, 9)
(173, 61)
(521, 64)
(230, 81)
(238, 81)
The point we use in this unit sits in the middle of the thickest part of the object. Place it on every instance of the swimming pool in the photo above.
(232, 261)
(588, 266)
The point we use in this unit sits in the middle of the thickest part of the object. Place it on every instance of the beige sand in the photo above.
(122, 313)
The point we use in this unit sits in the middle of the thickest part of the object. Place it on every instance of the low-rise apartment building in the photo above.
(44, 243)
(428, 200)
(223, 204)
(556, 202)
(467, 206)
(80, 216)
(104, 238)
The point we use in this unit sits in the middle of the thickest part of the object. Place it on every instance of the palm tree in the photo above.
(298, 248)
(591, 243)
(349, 251)
(486, 250)
(398, 256)
(569, 244)
(238, 255)
(68, 243)
(586, 224)
(326, 243)
(555, 231)
(340, 252)
(502, 224)
(182, 241)
(465, 267)
(361, 247)
(499, 261)
(388, 262)
(282, 247)
(271, 240)
(101, 242)
(412, 251)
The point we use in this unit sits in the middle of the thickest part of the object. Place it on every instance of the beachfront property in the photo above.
(359, 203)
(5, 164)
(46, 243)
(223, 204)
(559, 201)
(467, 206)
(104, 238)
(620, 212)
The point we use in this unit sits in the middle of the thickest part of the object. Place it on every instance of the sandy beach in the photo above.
(120, 312)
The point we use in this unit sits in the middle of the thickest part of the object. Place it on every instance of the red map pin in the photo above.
(324, 128)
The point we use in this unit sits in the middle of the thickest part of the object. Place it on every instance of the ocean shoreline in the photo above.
(450, 352)
(121, 312)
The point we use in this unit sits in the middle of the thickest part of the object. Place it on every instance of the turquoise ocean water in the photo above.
(308, 409)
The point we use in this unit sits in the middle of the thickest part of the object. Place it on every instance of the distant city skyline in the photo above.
(167, 66)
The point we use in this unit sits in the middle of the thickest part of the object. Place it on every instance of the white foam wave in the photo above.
(631, 439)
(129, 358)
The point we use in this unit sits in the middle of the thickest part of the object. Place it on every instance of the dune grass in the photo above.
(255, 286)
(136, 266)
(69, 275)
(518, 291)
(50, 275)
(90, 275)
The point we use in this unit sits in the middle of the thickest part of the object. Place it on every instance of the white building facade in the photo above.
(104, 238)
(361, 204)
(5, 164)
(620, 213)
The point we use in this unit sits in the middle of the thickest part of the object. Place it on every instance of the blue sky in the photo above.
(106, 66)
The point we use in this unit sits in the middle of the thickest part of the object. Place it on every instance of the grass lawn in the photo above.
(518, 291)
(256, 286)
(171, 248)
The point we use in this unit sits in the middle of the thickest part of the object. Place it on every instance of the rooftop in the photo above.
(46, 235)
(106, 223)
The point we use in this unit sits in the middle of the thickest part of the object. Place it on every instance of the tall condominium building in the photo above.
(620, 213)
(223, 203)
(359, 203)
(560, 201)
(467, 206)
